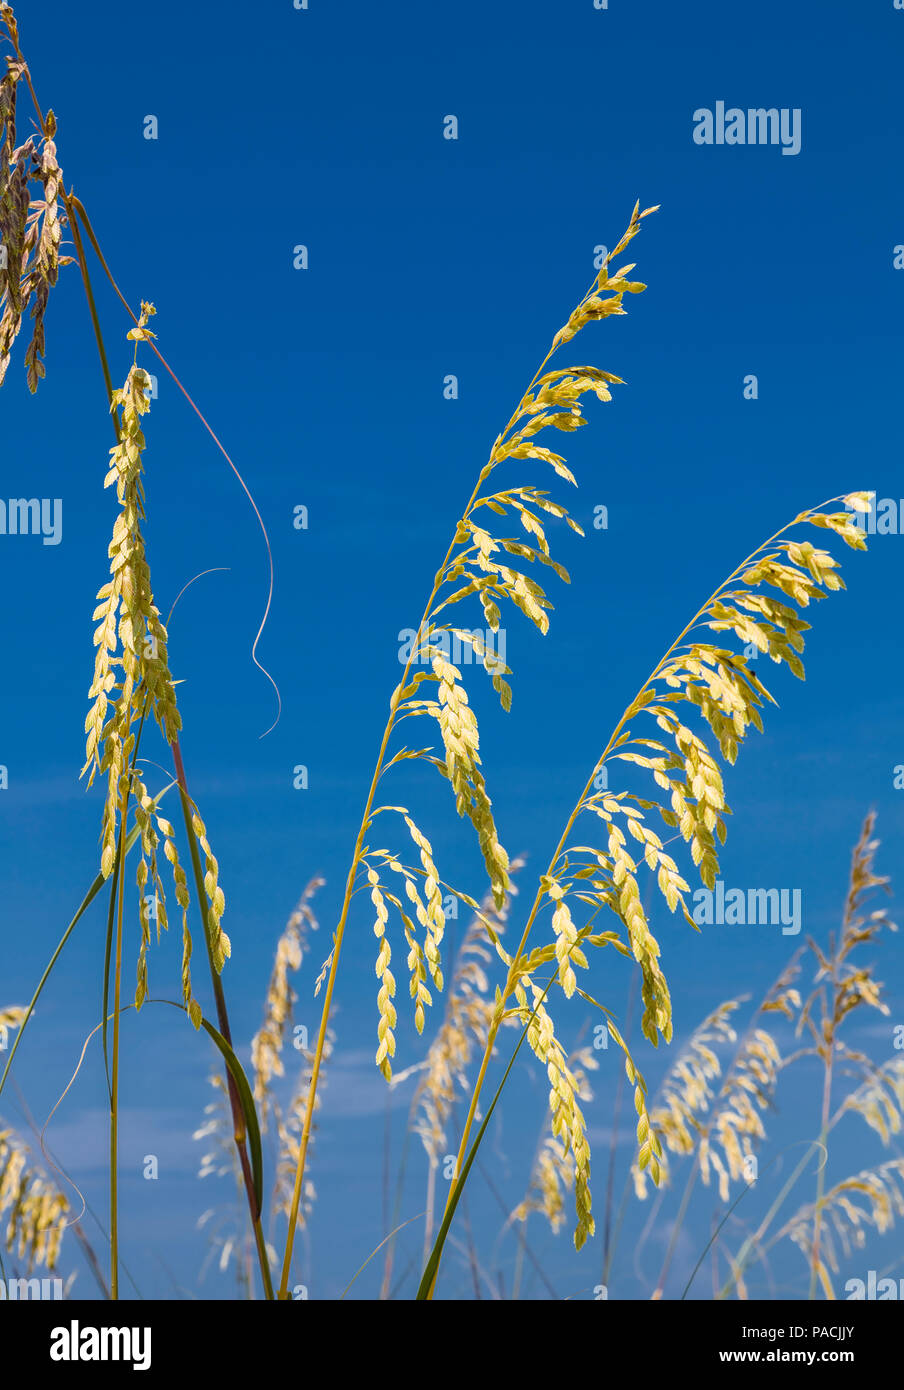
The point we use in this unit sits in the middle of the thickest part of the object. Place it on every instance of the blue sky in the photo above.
(427, 256)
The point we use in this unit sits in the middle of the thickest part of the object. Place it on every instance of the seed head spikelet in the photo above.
(290, 1129)
(749, 1086)
(30, 226)
(554, 1169)
(36, 1211)
(871, 1198)
(268, 1043)
(477, 564)
(880, 1100)
(469, 1012)
(686, 1092)
(722, 687)
(34, 1208)
(132, 681)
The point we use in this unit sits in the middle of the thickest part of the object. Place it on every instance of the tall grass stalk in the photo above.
(118, 885)
(725, 1142)
(459, 765)
(187, 806)
(187, 809)
(677, 667)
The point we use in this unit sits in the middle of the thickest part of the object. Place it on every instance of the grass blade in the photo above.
(377, 1251)
(88, 899)
(248, 1108)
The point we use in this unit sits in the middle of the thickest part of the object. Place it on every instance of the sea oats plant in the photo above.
(843, 986)
(33, 1208)
(132, 679)
(476, 565)
(841, 1216)
(443, 1074)
(722, 1128)
(724, 689)
(269, 1042)
(732, 1125)
(552, 1175)
(719, 682)
(466, 1023)
(758, 607)
(31, 216)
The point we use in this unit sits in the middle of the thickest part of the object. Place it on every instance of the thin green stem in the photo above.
(238, 1120)
(715, 1235)
(396, 1208)
(119, 884)
(356, 857)
(431, 1271)
(350, 883)
(821, 1175)
(92, 307)
(756, 1238)
(117, 894)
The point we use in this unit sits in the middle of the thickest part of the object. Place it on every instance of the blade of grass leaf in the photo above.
(377, 1251)
(88, 899)
(252, 1131)
(714, 1237)
(248, 1109)
(255, 1197)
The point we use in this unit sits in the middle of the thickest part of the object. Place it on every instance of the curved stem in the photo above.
(119, 884)
(512, 975)
(331, 981)
(92, 307)
(356, 862)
